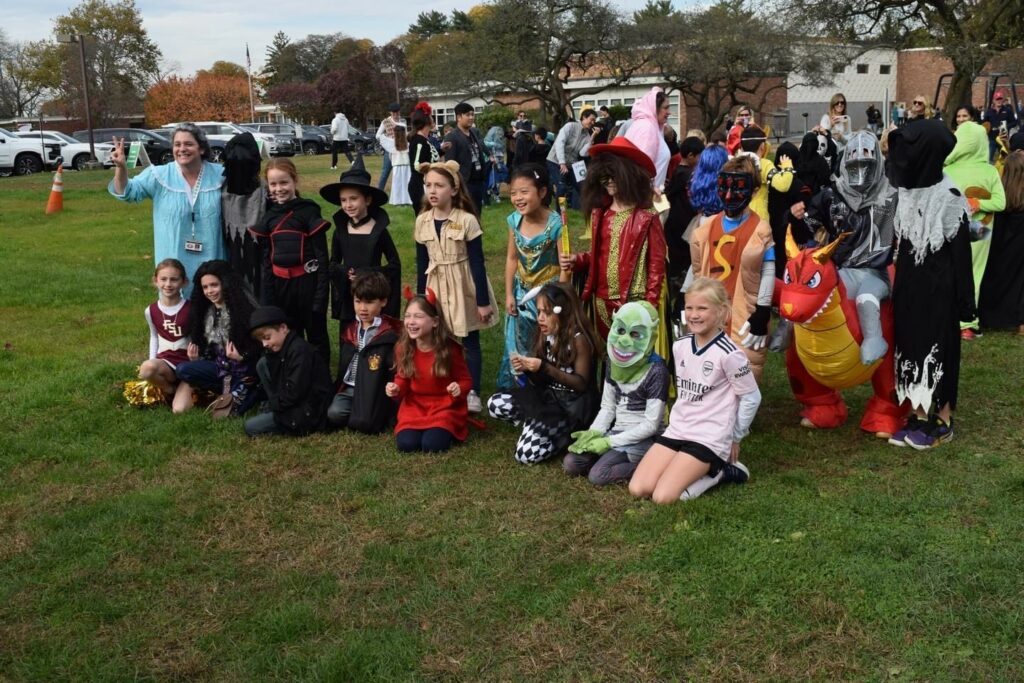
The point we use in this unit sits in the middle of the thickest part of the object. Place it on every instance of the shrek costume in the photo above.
(632, 404)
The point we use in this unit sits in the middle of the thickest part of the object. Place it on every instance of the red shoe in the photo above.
(968, 334)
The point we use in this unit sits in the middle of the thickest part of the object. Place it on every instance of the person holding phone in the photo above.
(998, 118)
(837, 122)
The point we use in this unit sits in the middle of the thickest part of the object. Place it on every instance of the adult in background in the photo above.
(186, 199)
(421, 151)
(572, 144)
(837, 123)
(744, 118)
(966, 112)
(920, 109)
(464, 145)
(649, 116)
(1002, 288)
(340, 143)
(874, 119)
(386, 129)
(998, 117)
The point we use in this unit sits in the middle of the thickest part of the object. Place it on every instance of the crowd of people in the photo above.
(636, 361)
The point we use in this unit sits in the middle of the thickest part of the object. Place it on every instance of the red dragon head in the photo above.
(808, 281)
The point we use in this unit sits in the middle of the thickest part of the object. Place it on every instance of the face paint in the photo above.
(631, 338)
(735, 190)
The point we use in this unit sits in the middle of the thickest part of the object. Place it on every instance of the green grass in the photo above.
(135, 545)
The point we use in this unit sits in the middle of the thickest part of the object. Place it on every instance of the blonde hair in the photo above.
(697, 133)
(714, 291)
(836, 99)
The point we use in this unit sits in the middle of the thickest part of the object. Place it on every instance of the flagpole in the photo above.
(248, 73)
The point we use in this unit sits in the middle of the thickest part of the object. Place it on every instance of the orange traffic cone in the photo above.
(56, 202)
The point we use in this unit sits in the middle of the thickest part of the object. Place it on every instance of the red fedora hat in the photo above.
(623, 147)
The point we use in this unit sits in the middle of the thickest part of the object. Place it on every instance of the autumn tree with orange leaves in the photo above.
(205, 97)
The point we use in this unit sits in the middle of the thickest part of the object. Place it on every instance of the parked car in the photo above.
(277, 145)
(313, 140)
(158, 147)
(19, 156)
(216, 146)
(69, 150)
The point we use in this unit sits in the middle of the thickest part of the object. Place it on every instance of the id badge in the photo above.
(194, 246)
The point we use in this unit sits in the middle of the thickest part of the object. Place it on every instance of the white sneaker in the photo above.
(334, 168)
(701, 486)
(473, 402)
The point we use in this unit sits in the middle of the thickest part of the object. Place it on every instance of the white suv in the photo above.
(73, 153)
(220, 130)
(20, 157)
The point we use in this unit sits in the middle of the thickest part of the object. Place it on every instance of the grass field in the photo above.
(135, 545)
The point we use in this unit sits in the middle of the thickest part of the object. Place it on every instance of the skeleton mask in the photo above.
(822, 145)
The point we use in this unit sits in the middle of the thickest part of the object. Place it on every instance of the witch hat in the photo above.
(356, 176)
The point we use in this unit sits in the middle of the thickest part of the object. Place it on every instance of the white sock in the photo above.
(699, 487)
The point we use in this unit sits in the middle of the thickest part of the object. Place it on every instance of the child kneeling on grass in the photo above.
(717, 398)
(294, 376)
(367, 359)
(431, 380)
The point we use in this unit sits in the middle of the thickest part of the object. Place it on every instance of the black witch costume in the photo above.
(934, 286)
(243, 203)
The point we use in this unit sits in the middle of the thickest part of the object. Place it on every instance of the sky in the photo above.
(193, 35)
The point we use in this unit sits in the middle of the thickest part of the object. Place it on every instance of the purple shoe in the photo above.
(913, 424)
(934, 433)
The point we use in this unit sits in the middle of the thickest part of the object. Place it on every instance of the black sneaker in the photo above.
(735, 473)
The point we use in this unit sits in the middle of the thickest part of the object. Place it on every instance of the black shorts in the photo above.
(695, 450)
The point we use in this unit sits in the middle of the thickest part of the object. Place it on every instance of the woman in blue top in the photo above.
(186, 199)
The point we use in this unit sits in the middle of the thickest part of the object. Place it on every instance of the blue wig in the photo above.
(704, 183)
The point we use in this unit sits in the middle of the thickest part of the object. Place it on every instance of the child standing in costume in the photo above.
(627, 260)
(450, 261)
(933, 290)
(167, 318)
(431, 381)
(293, 238)
(400, 170)
(367, 359)
(531, 260)
(558, 396)
(717, 400)
(294, 376)
(632, 404)
(736, 248)
(221, 354)
(362, 241)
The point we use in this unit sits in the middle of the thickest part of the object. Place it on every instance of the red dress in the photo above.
(425, 401)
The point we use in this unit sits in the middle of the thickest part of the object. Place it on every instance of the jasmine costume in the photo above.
(632, 404)
(186, 220)
(538, 265)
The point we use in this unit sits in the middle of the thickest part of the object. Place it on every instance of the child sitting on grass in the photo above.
(717, 398)
(294, 376)
(168, 324)
(367, 359)
(431, 380)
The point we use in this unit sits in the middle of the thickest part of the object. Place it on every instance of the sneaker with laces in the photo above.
(473, 402)
(934, 433)
(913, 424)
(735, 473)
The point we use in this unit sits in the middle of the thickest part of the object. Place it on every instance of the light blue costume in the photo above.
(173, 213)
(538, 265)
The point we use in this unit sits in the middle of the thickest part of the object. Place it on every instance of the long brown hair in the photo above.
(449, 170)
(571, 321)
(405, 349)
(632, 185)
(1013, 181)
(401, 139)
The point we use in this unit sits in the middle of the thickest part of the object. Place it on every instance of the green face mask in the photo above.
(631, 338)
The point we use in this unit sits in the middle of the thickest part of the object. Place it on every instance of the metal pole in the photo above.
(398, 94)
(85, 90)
